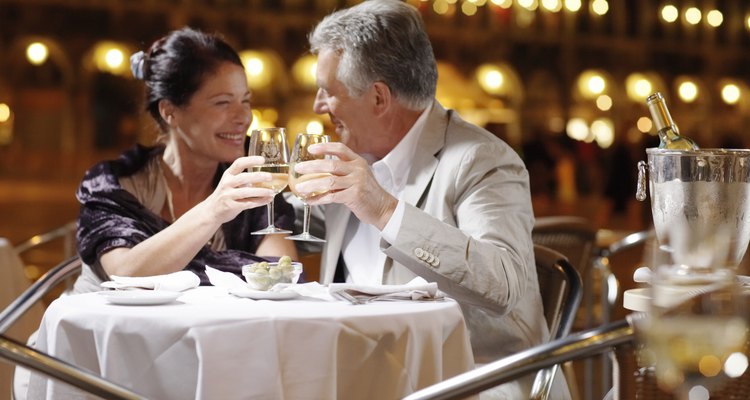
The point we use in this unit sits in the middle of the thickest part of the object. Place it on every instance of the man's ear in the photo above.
(166, 110)
(383, 97)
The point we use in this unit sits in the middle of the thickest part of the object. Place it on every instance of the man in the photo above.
(415, 190)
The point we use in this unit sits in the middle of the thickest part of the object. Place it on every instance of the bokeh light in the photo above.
(37, 53)
(693, 16)
(669, 13)
(600, 7)
(730, 93)
(573, 5)
(688, 91)
(4, 112)
(715, 18)
(604, 102)
(644, 124)
(735, 365)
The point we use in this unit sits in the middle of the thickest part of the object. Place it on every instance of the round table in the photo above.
(211, 345)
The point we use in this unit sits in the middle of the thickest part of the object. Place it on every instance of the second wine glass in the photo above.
(300, 154)
(270, 143)
(696, 332)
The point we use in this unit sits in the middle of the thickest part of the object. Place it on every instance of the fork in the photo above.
(343, 295)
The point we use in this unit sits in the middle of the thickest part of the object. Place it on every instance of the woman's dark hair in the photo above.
(175, 65)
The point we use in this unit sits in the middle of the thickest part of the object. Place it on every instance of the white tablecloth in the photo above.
(210, 345)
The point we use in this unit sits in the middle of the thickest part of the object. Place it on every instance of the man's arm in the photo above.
(472, 234)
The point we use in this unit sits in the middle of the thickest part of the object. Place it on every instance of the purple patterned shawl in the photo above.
(111, 217)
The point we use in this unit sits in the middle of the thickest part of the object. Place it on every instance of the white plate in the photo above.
(262, 295)
(140, 297)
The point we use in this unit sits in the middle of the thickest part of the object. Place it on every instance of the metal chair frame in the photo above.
(585, 344)
(67, 232)
(37, 290)
(23, 355)
(561, 302)
(575, 238)
(602, 263)
(17, 353)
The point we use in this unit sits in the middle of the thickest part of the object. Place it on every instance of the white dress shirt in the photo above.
(361, 242)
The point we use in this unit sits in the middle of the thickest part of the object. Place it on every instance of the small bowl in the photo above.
(260, 277)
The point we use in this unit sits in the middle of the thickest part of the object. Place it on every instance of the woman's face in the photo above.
(214, 122)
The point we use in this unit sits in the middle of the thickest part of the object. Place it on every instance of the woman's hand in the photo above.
(237, 190)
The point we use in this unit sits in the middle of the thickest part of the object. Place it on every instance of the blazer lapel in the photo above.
(431, 141)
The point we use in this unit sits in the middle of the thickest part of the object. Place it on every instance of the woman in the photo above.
(187, 202)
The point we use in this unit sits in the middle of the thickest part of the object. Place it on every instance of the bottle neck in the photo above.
(665, 126)
(669, 134)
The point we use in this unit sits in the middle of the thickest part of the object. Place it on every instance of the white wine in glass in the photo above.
(300, 154)
(270, 143)
(696, 331)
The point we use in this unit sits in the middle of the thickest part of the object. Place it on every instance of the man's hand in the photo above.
(350, 183)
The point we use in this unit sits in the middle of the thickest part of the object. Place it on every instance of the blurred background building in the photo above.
(562, 81)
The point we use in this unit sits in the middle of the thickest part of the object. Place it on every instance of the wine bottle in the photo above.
(669, 134)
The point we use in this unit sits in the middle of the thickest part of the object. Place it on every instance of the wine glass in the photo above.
(270, 143)
(696, 331)
(299, 154)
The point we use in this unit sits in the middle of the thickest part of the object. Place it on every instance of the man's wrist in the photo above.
(387, 212)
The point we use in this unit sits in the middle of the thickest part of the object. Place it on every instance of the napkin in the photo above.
(310, 290)
(225, 279)
(416, 289)
(176, 281)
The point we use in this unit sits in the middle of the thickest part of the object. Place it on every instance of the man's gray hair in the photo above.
(385, 41)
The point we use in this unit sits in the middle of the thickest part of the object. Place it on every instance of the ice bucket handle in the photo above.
(640, 190)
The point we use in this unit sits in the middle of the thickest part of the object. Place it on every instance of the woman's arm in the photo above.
(172, 248)
(277, 246)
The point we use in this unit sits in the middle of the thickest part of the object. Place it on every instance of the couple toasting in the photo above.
(411, 188)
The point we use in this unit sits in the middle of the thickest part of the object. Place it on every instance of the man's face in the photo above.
(352, 117)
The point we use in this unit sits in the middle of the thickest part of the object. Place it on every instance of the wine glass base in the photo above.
(271, 230)
(305, 237)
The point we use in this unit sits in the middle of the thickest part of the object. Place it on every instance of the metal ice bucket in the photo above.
(695, 193)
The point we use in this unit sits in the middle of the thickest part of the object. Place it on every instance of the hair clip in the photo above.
(136, 65)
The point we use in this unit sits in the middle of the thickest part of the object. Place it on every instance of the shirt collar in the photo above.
(399, 158)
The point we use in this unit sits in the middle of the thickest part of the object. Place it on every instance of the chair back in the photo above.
(561, 288)
(575, 238)
(572, 236)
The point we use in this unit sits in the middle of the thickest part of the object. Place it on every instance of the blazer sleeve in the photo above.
(472, 232)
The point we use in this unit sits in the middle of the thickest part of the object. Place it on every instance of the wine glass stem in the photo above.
(269, 213)
(306, 220)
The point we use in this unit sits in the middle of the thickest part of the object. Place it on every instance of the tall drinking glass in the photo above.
(696, 332)
(300, 154)
(270, 143)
